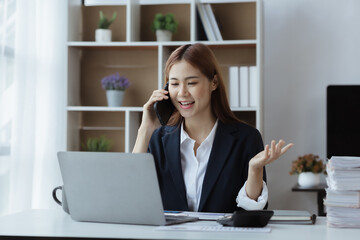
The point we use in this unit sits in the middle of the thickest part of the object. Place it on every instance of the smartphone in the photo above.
(164, 108)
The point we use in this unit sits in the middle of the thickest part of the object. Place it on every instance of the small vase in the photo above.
(114, 98)
(103, 35)
(308, 179)
(163, 35)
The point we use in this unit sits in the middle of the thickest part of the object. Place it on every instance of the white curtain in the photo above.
(38, 130)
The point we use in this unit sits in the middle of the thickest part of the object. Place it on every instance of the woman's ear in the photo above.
(214, 83)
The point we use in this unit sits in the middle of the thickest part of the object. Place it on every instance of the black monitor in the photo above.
(343, 120)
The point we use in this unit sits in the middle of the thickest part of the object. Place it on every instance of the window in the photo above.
(7, 47)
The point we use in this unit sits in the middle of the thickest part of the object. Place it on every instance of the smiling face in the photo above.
(190, 91)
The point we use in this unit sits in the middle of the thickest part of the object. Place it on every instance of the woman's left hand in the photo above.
(269, 154)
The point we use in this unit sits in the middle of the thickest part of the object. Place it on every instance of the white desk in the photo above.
(56, 224)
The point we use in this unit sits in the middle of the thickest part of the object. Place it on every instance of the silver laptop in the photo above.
(113, 188)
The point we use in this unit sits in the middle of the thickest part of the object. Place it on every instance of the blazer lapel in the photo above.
(171, 143)
(222, 146)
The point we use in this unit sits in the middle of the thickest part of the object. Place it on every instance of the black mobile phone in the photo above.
(164, 108)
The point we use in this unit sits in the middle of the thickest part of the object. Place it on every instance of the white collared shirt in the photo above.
(194, 168)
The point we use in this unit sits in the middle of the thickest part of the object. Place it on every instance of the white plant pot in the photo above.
(103, 35)
(163, 35)
(115, 98)
(308, 179)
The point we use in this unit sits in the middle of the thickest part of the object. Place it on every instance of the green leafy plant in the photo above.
(101, 144)
(165, 22)
(104, 23)
(307, 163)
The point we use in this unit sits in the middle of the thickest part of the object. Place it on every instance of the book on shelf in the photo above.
(213, 23)
(253, 86)
(234, 86)
(244, 86)
(292, 217)
(205, 21)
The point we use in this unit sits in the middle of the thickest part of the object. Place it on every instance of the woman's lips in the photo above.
(186, 104)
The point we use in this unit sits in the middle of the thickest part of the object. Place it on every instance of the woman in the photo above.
(206, 159)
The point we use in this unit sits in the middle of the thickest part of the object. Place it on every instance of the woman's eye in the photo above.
(192, 83)
(174, 84)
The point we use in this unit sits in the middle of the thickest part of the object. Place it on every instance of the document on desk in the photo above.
(210, 216)
(202, 228)
(206, 215)
(292, 217)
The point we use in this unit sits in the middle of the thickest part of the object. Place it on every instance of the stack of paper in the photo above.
(343, 173)
(343, 217)
(340, 198)
(343, 195)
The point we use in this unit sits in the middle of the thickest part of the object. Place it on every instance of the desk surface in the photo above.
(57, 224)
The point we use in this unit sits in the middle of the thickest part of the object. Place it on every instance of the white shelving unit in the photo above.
(135, 54)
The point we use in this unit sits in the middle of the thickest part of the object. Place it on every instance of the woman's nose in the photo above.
(183, 90)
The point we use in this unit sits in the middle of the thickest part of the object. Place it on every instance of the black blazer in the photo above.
(233, 147)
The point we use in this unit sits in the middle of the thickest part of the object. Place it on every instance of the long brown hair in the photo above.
(202, 57)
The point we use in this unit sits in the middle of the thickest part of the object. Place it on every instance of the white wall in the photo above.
(308, 44)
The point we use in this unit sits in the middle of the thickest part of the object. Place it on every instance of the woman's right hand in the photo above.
(149, 122)
(149, 118)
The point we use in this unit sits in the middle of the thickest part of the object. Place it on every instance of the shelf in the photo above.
(156, 2)
(114, 66)
(226, 1)
(105, 2)
(244, 109)
(90, 20)
(243, 13)
(141, 2)
(154, 45)
(162, 2)
(84, 44)
(103, 109)
(102, 128)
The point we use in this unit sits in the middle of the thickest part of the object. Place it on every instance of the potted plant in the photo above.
(115, 86)
(308, 167)
(103, 33)
(164, 26)
(101, 144)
